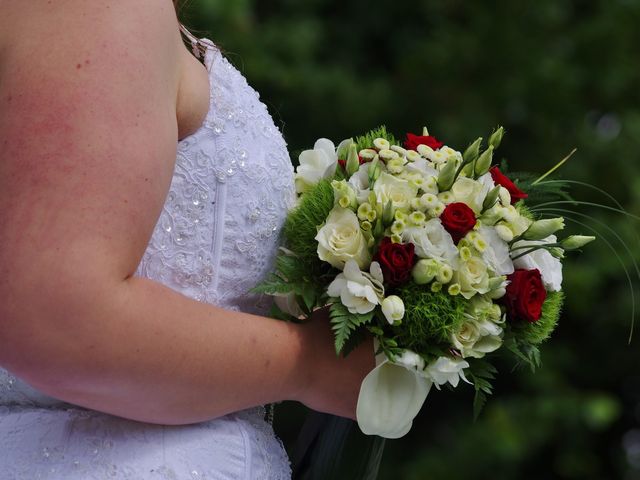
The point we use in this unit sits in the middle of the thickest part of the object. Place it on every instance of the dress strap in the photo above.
(198, 47)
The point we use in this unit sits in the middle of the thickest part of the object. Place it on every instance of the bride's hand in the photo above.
(332, 382)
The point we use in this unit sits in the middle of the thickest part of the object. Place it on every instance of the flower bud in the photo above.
(436, 287)
(353, 162)
(505, 196)
(496, 138)
(576, 241)
(504, 232)
(387, 154)
(491, 198)
(399, 150)
(425, 150)
(366, 225)
(343, 148)
(446, 197)
(412, 155)
(465, 254)
(367, 154)
(395, 238)
(393, 309)
(472, 151)
(541, 229)
(387, 213)
(454, 289)
(447, 176)
(364, 210)
(557, 252)
(483, 163)
(436, 211)
(417, 218)
(424, 271)
(381, 144)
(445, 274)
(398, 227)
(374, 170)
(395, 165)
(425, 132)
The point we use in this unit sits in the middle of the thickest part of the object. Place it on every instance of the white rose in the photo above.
(471, 192)
(496, 255)
(315, 164)
(431, 240)
(477, 337)
(472, 276)
(393, 309)
(549, 266)
(400, 192)
(340, 239)
(359, 291)
(447, 370)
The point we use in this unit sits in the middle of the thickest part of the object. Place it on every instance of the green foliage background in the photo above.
(556, 74)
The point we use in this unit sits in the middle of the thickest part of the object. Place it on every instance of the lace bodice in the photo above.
(233, 183)
(216, 237)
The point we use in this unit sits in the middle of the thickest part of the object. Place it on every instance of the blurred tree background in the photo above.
(557, 74)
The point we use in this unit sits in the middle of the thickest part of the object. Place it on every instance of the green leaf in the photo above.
(273, 285)
(343, 322)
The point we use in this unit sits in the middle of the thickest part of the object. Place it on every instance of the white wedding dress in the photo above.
(216, 237)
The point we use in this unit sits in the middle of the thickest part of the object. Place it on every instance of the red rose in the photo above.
(458, 219)
(412, 141)
(396, 261)
(501, 179)
(525, 295)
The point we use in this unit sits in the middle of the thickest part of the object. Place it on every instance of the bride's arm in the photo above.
(88, 139)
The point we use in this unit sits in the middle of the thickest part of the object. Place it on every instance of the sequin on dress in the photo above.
(216, 237)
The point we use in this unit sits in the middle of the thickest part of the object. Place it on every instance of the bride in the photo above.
(141, 196)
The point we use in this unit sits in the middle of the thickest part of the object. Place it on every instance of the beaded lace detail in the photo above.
(216, 237)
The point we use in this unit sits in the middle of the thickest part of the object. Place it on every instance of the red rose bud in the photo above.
(458, 219)
(501, 179)
(412, 141)
(396, 261)
(525, 295)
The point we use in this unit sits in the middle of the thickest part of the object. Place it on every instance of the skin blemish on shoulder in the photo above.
(79, 66)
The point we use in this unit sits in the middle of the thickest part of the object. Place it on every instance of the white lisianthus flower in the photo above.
(472, 276)
(471, 192)
(477, 337)
(360, 182)
(422, 166)
(496, 254)
(446, 370)
(316, 164)
(389, 188)
(549, 266)
(340, 239)
(393, 309)
(359, 291)
(410, 360)
(431, 240)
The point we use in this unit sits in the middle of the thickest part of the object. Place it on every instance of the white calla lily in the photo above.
(390, 397)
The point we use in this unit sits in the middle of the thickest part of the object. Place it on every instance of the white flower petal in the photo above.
(390, 398)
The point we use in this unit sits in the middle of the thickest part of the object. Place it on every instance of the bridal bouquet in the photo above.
(431, 251)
